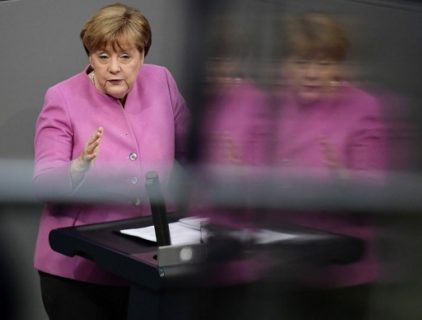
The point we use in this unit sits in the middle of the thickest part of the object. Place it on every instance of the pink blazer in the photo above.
(147, 134)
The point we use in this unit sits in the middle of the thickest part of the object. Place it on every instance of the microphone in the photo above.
(158, 209)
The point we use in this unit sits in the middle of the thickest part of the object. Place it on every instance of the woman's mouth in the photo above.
(115, 82)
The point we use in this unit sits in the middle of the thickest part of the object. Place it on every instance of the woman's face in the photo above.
(312, 79)
(116, 71)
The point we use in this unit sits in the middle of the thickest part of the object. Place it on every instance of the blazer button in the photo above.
(133, 156)
(133, 180)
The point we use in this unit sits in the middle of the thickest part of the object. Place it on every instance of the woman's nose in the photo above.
(311, 71)
(114, 66)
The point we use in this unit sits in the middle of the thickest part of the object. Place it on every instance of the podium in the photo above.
(162, 291)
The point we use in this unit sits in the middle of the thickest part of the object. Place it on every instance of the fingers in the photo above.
(333, 159)
(93, 145)
(96, 136)
(81, 164)
(330, 154)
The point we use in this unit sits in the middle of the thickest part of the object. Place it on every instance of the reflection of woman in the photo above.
(331, 128)
(326, 123)
(119, 112)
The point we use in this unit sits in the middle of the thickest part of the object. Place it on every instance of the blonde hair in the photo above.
(113, 25)
(316, 35)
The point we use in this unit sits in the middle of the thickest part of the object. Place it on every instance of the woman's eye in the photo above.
(125, 56)
(103, 56)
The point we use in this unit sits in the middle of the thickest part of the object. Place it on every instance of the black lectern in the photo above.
(158, 291)
(164, 286)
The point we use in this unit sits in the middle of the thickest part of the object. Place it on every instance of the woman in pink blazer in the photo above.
(103, 128)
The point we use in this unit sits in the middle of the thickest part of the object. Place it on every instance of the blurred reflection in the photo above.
(312, 122)
(234, 131)
(234, 113)
(330, 128)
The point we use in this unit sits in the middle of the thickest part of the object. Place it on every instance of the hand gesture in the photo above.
(92, 146)
(332, 158)
(81, 164)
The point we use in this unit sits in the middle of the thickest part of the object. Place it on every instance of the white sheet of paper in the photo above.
(180, 233)
(188, 231)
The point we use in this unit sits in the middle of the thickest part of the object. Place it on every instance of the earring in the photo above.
(91, 76)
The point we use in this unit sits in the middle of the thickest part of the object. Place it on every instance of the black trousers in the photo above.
(66, 299)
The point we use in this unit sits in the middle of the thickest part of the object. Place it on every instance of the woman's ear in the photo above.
(143, 55)
(90, 67)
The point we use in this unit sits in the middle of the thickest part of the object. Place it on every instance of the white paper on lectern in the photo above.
(189, 231)
(180, 233)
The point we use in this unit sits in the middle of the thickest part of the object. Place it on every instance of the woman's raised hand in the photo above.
(92, 146)
(81, 164)
(332, 157)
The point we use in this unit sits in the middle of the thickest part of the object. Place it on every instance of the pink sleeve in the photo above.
(181, 117)
(366, 148)
(53, 146)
